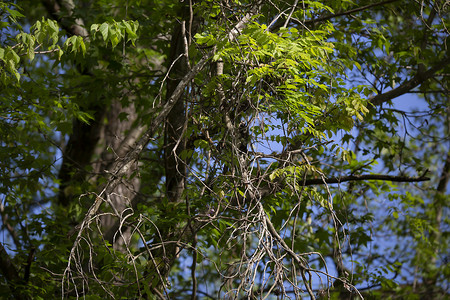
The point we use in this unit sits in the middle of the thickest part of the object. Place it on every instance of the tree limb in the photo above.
(445, 176)
(282, 21)
(58, 8)
(316, 181)
(408, 85)
(348, 12)
(295, 257)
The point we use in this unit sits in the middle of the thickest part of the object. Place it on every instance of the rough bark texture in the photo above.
(112, 149)
(78, 154)
(431, 278)
(83, 141)
(175, 143)
(99, 144)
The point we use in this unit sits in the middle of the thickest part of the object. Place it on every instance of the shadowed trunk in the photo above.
(92, 148)
(175, 141)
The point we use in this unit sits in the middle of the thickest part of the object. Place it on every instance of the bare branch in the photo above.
(348, 12)
(365, 177)
(282, 22)
(408, 85)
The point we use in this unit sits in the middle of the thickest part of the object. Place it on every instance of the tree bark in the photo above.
(99, 144)
(11, 275)
(174, 142)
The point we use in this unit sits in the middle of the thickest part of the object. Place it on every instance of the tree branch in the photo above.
(299, 260)
(365, 177)
(408, 85)
(445, 176)
(119, 169)
(58, 8)
(282, 21)
(348, 12)
(26, 276)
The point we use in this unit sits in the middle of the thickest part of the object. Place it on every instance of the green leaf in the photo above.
(94, 28)
(12, 56)
(104, 30)
(82, 45)
(14, 13)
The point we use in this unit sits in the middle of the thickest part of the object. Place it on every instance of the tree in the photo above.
(224, 149)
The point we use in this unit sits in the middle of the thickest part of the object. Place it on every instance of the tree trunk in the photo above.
(93, 148)
(174, 142)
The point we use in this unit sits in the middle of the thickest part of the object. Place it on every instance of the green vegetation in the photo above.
(159, 149)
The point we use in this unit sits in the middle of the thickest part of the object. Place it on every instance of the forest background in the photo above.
(158, 149)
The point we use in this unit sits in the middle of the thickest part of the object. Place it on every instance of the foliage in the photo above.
(223, 149)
